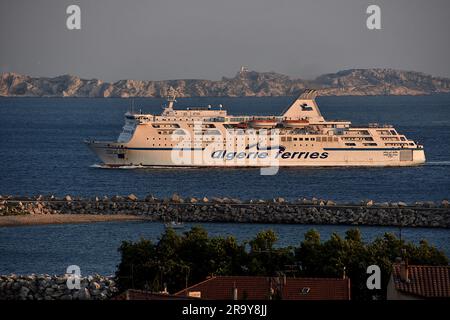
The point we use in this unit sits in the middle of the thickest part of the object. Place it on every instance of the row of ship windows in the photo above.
(318, 139)
(283, 139)
(387, 132)
(352, 144)
(181, 132)
(356, 132)
(400, 144)
(390, 139)
(213, 139)
(181, 119)
(349, 144)
(201, 144)
(357, 139)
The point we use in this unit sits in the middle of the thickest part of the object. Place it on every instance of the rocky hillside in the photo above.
(247, 83)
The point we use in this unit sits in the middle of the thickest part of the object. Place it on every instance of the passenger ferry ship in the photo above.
(300, 136)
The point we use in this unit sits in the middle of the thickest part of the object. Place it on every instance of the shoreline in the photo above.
(51, 210)
(27, 220)
(46, 219)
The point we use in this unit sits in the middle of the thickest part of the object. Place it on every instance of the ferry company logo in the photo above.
(258, 147)
(264, 152)
(236, 148)
(255, 151)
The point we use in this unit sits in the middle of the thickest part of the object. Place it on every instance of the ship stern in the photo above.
(419, 156)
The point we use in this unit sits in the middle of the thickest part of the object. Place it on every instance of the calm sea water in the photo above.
(93, 247)
(42, 152)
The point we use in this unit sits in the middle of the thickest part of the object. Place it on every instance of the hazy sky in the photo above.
(173, 39)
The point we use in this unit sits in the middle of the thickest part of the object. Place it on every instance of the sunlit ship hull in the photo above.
(133, 156)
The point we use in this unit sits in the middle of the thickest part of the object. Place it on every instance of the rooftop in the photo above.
(263, 288)
(133, 294)
(424, 281)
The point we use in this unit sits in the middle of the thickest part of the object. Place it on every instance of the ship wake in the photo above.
(127, 167)
(438, 163)
(105, 166)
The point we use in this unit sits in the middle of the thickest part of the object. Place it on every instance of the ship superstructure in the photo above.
(300, 136)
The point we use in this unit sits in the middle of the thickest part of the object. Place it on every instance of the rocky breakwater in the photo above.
(46, 287)
(300, 211)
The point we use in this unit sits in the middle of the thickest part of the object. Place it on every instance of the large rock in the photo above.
(429, 204)
(132, 197)
(217, 200)
(175, 198)
(117, 198)
(279, 200)
(192, 200)
(24, 292)
(94, 286)
(83, 294)
(150, 198)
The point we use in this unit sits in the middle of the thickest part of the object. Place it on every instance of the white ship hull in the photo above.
(134, 156)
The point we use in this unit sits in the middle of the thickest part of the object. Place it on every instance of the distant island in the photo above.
(246, 83)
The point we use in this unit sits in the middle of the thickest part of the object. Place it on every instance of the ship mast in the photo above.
(171, 95)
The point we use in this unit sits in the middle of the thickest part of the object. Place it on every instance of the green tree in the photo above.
(179, 260)
(266, 260)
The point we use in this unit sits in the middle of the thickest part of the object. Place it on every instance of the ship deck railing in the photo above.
(372, 125)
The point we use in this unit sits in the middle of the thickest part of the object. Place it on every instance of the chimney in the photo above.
(404, 272)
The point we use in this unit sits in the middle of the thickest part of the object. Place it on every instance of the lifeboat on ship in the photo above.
(241, 125)
(300, 123)
(262, 123)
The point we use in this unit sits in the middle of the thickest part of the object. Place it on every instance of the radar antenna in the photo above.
(171, 95)
(132, 106)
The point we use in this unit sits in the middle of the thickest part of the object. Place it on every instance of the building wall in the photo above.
(394, 294)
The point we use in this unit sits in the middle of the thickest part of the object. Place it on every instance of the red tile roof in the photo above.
(424, 281)
(260, 288)
(132, 294)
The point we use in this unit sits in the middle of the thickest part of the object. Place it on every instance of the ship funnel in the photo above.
(304, 107)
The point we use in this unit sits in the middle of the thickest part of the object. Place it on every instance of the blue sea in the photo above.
(42, 152)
